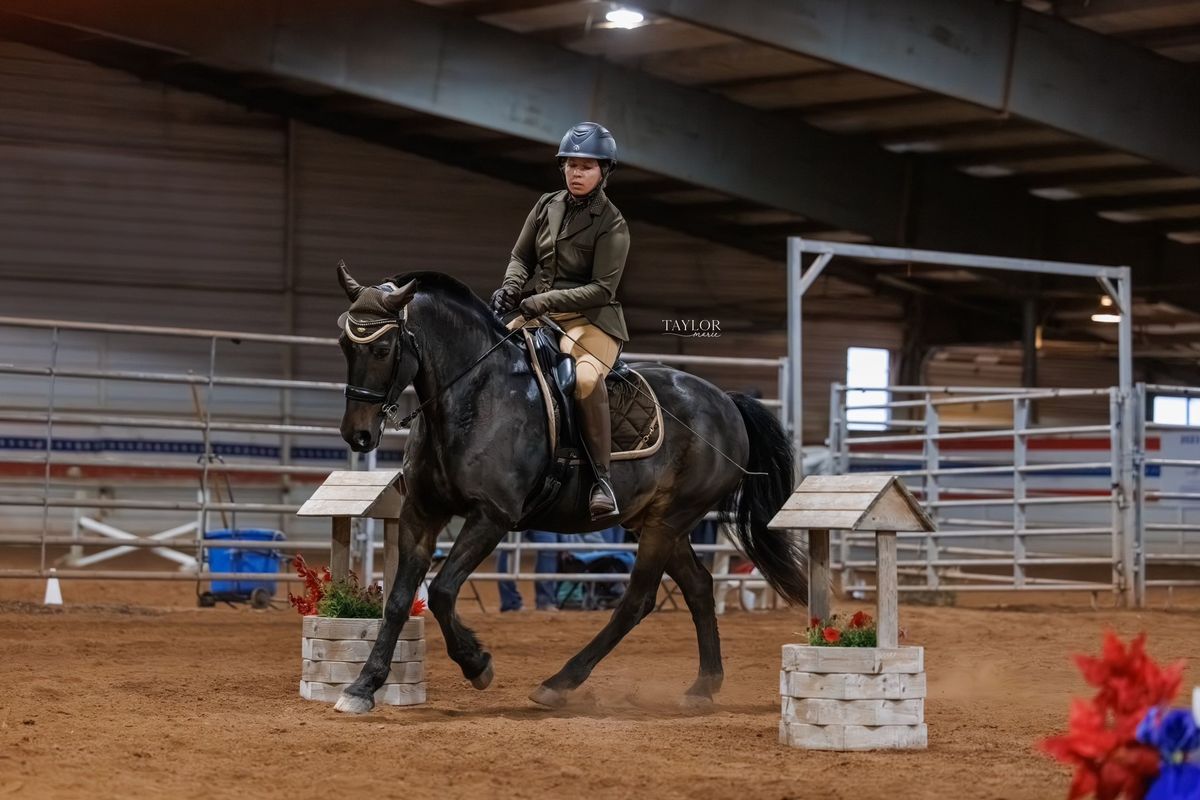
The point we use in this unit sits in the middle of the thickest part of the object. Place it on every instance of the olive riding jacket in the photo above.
(577, 266)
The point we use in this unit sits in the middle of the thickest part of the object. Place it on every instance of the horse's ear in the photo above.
(399, 299)
(351, 286)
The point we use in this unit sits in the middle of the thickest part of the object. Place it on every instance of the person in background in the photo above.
(545, 592)
(705, 533)
(548, 561)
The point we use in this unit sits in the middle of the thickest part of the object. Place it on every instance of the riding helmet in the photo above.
(589, 140)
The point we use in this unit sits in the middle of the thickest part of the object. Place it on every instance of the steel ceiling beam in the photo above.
(434, 62)
(997, 55)
(1084, 9)
(437, 62)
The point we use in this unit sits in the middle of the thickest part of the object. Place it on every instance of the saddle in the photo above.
(559, 500)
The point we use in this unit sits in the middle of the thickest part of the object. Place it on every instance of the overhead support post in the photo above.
(1029, 343)
(799, 282)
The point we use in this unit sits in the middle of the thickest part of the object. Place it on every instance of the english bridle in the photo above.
(366, 331)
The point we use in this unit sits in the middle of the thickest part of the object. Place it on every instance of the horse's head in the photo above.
(381, 356)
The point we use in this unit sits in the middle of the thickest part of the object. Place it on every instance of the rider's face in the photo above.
(582, 175)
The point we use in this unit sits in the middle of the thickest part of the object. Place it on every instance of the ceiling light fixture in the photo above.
(625, 18)
(1104, 315)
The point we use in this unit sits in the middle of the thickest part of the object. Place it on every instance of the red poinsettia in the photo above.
(314, 587)
(1101, 733)
(1130, 682)
(318, 585)
(861, 619)
(831, 635)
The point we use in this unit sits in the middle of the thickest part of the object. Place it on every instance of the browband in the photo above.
(365, 331)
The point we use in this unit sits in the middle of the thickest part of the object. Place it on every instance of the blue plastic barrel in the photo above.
(228, 559)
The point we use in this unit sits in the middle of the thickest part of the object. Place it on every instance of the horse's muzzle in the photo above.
(361, 441)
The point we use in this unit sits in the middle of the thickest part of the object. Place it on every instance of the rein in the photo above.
(402, 423)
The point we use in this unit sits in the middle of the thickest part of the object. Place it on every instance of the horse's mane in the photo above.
(449, 287)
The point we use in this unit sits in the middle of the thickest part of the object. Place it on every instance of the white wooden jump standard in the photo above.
(333, 650)
(853, 698)
(348, 494)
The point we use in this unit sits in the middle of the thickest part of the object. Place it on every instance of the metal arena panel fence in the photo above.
(1032, 489)
(96, 454)
(1022, 501)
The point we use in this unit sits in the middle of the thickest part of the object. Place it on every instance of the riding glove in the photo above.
(535, 305)
(505, 299)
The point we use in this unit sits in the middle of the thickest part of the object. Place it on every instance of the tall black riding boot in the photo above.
(597, 434)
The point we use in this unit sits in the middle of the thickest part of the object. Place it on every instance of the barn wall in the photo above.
(1060, 365)
(126, 201)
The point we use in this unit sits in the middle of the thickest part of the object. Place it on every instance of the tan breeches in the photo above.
(593, 349)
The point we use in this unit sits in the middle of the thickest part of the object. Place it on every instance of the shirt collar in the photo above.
(594, 206)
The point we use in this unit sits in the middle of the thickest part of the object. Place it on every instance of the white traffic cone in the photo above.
(53, 591)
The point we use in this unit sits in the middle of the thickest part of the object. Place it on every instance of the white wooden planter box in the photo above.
(334, 650)
(852, 698)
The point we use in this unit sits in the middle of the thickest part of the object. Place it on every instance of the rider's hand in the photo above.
(505, 299)
(534, 306)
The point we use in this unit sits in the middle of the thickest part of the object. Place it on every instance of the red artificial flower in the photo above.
(1101, 738)
(418, 608)
(1129, 681)
(314, 588)
(861, 619)
(1108, 764)
(831, 635)
(814, 622)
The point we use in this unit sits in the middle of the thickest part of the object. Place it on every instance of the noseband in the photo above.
(365, 332)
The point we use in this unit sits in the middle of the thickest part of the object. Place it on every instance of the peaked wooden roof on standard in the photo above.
(852, 502)
(356, 493)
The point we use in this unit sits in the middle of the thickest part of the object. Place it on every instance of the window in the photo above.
(1176, 410)
(866, 368)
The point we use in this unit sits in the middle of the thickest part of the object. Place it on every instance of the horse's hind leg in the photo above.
(654, 551)
(478, 538)
(694, 580)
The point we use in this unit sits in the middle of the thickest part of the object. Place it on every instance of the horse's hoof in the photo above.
(551, 698)
(696, 703)
(485, 678)
(351, 704)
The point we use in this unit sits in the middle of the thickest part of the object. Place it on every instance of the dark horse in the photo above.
(480, 444)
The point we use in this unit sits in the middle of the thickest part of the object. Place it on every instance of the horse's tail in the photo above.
(757, 498)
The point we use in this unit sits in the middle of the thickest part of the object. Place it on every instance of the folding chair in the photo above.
(600, 562)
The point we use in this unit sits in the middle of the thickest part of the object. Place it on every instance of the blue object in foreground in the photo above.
(228, 559)
(1175, 735)
(1176, 782)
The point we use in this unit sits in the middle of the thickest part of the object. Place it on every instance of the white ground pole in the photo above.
(1116, 282)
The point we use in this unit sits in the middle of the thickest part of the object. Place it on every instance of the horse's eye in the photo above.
(381, 352)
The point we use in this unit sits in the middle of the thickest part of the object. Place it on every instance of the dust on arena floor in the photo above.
(132, 693)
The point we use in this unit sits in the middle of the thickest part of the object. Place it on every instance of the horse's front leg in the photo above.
(478, 538)
(418, 534)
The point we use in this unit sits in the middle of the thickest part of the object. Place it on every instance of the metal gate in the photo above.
(1023, 500)
(1020, 504)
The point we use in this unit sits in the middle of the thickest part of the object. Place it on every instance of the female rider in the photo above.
(566, 264)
